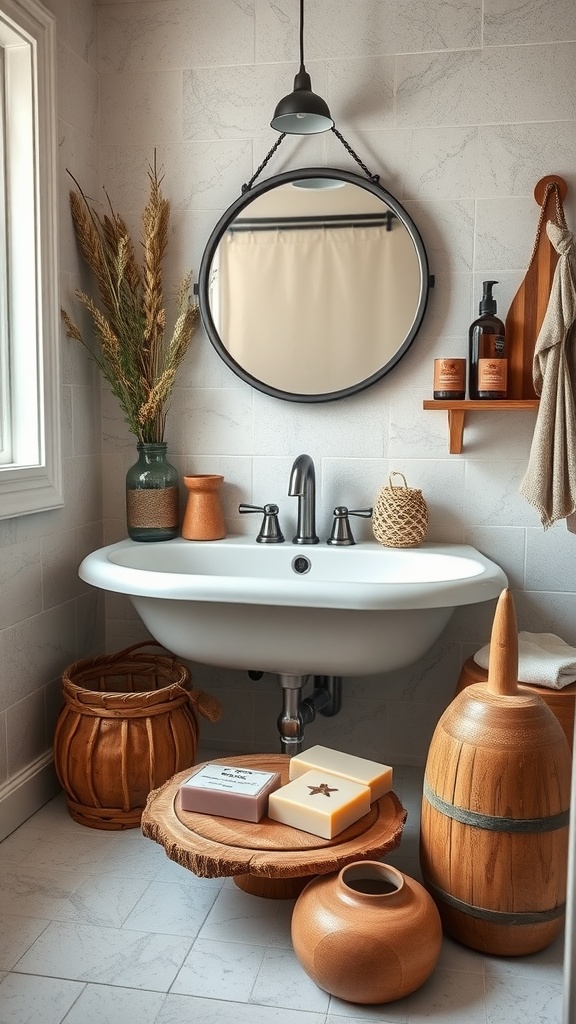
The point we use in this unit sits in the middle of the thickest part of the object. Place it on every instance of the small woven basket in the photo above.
(400, 517)
(127, 725)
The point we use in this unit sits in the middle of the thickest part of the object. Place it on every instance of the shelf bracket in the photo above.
(457, 410)
(455, 431)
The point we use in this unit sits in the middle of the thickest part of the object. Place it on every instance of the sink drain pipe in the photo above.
(296, 713)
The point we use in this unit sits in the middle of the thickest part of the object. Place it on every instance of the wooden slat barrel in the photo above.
(561, 702)
(127, 725)
(494, 834)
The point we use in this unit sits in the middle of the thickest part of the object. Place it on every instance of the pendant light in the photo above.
(302, 112)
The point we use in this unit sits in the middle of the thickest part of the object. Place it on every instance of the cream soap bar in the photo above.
(229, 791)
(366, 773)
(319, 803)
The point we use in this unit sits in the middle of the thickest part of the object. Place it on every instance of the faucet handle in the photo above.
(341, 530)
(270, 532)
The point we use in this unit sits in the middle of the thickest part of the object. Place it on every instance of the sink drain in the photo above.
(301, 564)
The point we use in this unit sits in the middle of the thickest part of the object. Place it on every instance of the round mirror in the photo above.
(313, 284)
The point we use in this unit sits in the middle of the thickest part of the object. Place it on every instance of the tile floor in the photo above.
(101, 928)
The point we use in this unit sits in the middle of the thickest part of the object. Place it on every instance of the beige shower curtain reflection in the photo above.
(316, 310)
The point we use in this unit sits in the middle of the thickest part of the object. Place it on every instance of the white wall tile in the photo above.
(238, 102)
(211, 421)
(387, 27)
(513, 157)
(77, 92)
(550, 559)
(507, 22)
(36, 650)
(460, 87)
(505, 546)
(354, 426)
(360, 93)
(442, 165)
(26, 731)
(174, 36)
(20, 582)
(491, 495)
(505, 233)
(546, 612)
(447, 229)
(150, 112)
(3, 750)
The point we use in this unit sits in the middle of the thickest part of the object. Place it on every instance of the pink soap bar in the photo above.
(229, 791)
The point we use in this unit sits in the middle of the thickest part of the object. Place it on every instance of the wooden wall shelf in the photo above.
(458, 409)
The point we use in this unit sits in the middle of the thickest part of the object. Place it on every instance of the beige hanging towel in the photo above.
(550, 480)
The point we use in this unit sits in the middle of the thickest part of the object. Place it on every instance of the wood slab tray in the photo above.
(267, 858)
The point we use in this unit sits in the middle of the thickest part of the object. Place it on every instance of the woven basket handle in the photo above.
(395, 473)
(136, 647)
(149, 643)
(209, 707)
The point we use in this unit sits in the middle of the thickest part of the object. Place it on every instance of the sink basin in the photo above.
(291, 609)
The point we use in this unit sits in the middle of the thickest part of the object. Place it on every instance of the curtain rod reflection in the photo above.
(340, 220)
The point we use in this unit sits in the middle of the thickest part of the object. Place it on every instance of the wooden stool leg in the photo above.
(272, 888)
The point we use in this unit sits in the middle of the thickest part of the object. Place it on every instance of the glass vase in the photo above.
(152, 495)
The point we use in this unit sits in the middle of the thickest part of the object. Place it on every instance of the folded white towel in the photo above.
(543, 660)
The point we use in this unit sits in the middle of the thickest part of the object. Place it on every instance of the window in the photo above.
(30, 459)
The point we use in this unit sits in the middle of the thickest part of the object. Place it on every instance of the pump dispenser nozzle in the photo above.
(488, 302)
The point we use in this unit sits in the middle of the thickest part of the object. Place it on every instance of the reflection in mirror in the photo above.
(313, 292)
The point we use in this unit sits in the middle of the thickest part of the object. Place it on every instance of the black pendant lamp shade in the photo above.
(302, 112)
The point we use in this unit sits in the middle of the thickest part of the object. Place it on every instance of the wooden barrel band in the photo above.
(496, 916)
(493, 823)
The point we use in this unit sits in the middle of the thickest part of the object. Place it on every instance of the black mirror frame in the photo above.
(300, 174)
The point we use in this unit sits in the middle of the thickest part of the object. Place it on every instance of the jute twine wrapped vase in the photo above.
(400, 517)
(127, 725)
(369, 934)
(494, 834)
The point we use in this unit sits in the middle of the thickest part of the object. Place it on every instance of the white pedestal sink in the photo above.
(345, 611)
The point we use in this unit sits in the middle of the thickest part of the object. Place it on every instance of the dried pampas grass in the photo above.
(134, 355)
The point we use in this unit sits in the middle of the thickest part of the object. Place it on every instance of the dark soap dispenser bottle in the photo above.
(487, 365)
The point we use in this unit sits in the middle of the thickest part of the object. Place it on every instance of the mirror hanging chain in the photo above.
(372, 177)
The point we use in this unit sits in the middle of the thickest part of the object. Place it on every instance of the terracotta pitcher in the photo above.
(203, 518)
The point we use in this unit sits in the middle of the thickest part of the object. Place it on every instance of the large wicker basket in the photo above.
(400, 517)
(128, 724)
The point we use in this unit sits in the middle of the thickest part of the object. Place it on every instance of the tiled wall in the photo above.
(461, 108)
(48, 618)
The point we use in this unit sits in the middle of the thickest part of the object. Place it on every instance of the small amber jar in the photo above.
(449, 379)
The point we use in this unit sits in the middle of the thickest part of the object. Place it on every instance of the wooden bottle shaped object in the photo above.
(494, 834)
(203, 518)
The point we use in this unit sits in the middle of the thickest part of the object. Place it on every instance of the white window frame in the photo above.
(30, 446)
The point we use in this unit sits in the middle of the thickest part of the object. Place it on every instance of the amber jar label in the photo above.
(492, 375)
(449, 374)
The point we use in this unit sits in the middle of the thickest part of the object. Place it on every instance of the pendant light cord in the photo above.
(301, 35)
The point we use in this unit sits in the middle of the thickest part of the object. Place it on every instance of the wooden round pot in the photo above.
(369, 934)
(127, 725)
(494, 832)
